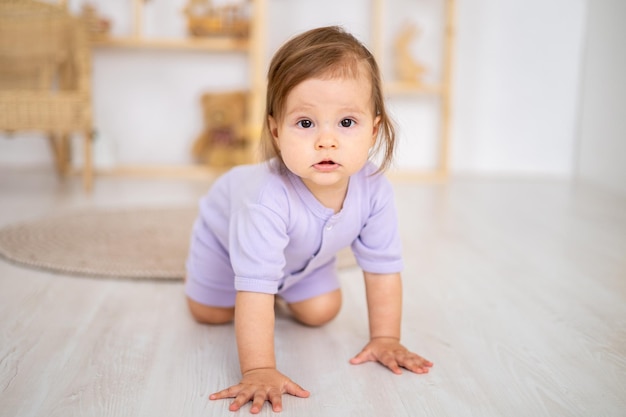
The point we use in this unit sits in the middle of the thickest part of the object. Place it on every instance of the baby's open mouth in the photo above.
(326, 165)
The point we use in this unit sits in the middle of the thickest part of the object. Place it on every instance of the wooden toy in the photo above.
(407, 68)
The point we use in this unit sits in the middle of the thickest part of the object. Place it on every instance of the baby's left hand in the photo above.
(389, 352)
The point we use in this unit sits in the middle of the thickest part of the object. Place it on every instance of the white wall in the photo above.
(516, 84)
(602, 149)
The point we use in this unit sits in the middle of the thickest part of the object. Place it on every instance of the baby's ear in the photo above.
(375, 129)
(273, 127)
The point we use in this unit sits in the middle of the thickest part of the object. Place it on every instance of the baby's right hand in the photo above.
(258, 386)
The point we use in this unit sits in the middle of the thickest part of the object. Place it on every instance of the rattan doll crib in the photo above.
(45, 77)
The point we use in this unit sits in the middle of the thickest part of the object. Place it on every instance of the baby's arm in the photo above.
(261, 381)
(384, 301)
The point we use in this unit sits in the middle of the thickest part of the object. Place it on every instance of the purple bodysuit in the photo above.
(262, 231)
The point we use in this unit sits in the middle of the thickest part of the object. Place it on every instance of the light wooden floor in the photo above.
(515, 289)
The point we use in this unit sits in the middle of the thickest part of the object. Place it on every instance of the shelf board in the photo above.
(216, 44)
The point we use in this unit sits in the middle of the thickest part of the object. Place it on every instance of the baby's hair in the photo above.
(323, 52)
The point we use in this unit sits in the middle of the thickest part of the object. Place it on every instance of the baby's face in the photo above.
(327, 129)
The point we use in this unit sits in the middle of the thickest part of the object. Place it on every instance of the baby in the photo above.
(274, 229)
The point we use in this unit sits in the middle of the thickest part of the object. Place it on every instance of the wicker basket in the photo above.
(205, 19)
(215, 26)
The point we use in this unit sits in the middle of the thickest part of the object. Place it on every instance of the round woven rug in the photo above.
(129, 243)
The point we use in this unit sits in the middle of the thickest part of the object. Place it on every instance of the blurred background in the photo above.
(534, 88)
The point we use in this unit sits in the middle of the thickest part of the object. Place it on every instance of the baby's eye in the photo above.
(305, 123)
(347, 123)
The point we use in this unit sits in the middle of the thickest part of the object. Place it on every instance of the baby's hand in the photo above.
(393, 355)
(258, 386)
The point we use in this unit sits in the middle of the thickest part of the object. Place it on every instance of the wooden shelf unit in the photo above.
(442, 90)
(254, 47)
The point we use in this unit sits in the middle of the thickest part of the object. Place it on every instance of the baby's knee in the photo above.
(317, 311)
(210, 315)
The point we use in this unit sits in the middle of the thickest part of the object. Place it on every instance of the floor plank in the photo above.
(515, 289)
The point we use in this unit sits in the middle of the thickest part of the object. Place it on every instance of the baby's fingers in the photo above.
(259, 400)
(296, 390)
(415, 363)
(276, 398)
(391, 362)
(230, 392)
(240, 395)
(362, 357)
